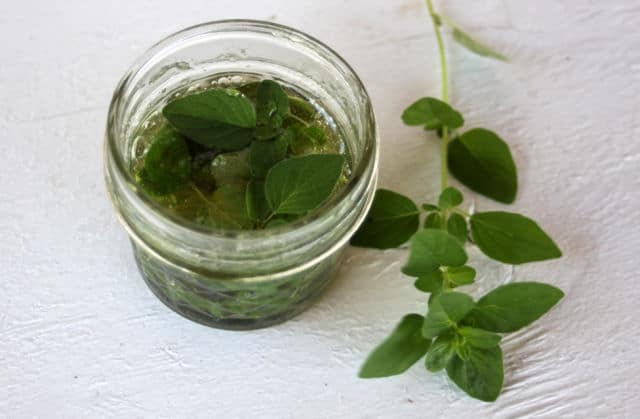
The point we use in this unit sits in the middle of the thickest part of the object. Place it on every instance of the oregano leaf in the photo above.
(458, 276)
(391, 221)
(430, 207)
(430, 249)
(431, 282)
(481, 376)
(256, 201)
(167, 163)
(433, 220)
(263, 155)
(217, 118)
(403, 348)
(513, 306)
(440, 353)
(476, 46)
(432, 113)
(445, 312)
(511, 238)
(482, 161)
(449, 198)
(479, 338)
(301, 184)
(457, 227)
(272, 105)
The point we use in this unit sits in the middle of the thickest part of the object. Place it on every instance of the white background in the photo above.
(82, 337)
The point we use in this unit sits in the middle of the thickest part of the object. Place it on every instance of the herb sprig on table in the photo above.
(458, 334)
(283, 182)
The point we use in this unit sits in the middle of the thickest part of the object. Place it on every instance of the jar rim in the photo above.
(369, 156)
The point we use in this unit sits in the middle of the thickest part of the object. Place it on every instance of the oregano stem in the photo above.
(445, 93)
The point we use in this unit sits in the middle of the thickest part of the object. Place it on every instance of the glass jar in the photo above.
(240, 279)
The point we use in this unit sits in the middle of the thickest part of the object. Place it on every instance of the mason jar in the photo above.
(236, 279)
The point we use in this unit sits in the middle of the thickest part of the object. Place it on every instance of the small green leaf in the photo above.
(430, 283)
(263, 155)
(257, 205)
(314, 134)
(513, 306)
(433, 220)
(512, 238)
(272, 105)
(276, 222)
(481, 376)
(430, 207)
(301, 184)
(440, 353)
(449, 198)
(463, 351)
(228, 209)
(218, 118)
(307, 138)
(167, 163)
(301, 108)
(392, 220)
(430, 249)
(479, 338)
(432, 113)
(457, 227)
(444, 313)
(399, 351)
(231, 167)
(461, 275)
(475, 46)
(483, 162)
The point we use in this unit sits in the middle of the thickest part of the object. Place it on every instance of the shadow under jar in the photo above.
(240, 279)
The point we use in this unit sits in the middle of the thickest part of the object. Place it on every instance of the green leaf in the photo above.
(263, 155)
(218, 118)
(167, 163)
(513, 306)
(440, 353)
(399, 351)
(432, 113)
(430, 283)
(430, 249)
(475, 46)
(449, 198)
(433, 220)
(482, 161)
(231, 167)
(302, 108)
(307, 138)
(276, 222)
(430, 207)
(257, 205)
(481, 376)
(461, 275)
(228, 209)
(392, 220)
(511, 238)
(301, 184)
(479, 338)
(457, 227)
(272, 105)
(445, 312)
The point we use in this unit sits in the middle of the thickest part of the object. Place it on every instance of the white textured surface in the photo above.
(82, 337)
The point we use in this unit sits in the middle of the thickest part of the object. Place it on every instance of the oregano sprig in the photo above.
(458, 334)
